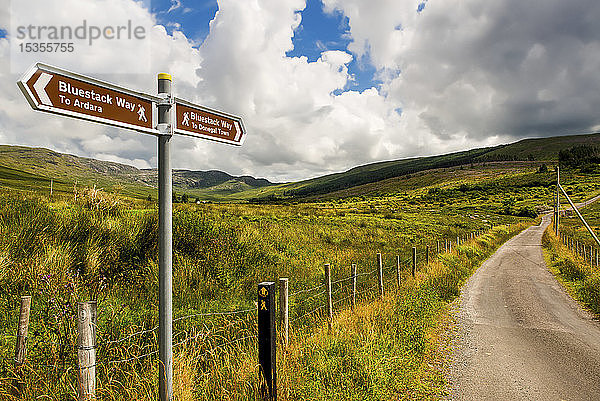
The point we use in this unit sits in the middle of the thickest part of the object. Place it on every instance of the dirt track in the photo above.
(519, 335)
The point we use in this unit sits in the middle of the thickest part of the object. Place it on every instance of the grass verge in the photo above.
(580, 280)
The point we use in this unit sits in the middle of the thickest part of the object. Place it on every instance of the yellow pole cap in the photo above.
(162, 75)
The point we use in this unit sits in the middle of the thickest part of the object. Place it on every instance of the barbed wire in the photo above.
(305, 300)
(306, 314)
(237, 312)
(134, 358)
(120, 340)
(228, 343)
(342, 280)
(341, 300)
(306, 290)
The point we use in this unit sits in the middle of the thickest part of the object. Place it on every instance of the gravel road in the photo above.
(519, 336)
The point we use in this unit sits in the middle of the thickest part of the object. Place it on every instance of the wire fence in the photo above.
(208, 333)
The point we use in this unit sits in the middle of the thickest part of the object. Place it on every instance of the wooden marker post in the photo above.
(86, 350)
(267, 339)
(353, 286)
(284, 316)
(380, 274)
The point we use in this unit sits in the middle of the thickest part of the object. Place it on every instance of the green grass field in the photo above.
(86, 244)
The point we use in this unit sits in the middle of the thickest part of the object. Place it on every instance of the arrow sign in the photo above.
(57, 91)
(202, 122)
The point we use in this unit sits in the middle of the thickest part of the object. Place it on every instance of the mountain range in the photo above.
(35, 169)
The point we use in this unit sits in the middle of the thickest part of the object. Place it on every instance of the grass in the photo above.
(103, 247)
(98, 248)
(581, 280)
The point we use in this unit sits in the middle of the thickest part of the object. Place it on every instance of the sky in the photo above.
(323, 85)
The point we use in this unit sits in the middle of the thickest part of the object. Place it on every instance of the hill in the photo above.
(32, 169)
(529, 150)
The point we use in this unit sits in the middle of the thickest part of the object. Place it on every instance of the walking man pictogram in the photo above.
(142, 113)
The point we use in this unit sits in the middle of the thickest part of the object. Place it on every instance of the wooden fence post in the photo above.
(437, 248)
(457, 241)
(427, 255)
(414, 261)
(21, 344)
(380, 274)
(22, 329)
(353, 285)
(329, 303)
(267, 339)
(449, 246)
(398, 270)
(284, 316)
(86, 350)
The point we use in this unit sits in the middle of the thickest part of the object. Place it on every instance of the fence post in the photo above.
(414, 260)
(353, 285)
(284, 315)
(427, 255)
(380, 274)
(22, 328)
(267, 339)
(457, 240)
(21, 344)
(329, 303)
(86, 350)
(437, 248)
(398, 270)
(449, 246)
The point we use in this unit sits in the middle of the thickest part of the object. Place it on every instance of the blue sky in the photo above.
(318, 32)
(193, 17)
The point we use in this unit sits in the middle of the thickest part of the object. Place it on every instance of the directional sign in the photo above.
(202, 122)
(61, 92)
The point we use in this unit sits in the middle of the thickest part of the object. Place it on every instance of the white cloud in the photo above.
(500, 69)
(463, 74)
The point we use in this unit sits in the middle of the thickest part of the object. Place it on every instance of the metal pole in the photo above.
(580, 216)
(165, 226)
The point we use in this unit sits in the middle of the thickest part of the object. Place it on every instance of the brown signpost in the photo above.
(57, 91)
(61, 92)
(202, 122)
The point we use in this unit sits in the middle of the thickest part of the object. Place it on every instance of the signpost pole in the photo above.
(165, 222)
